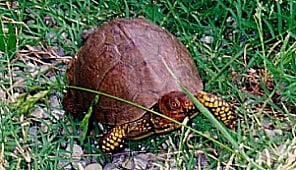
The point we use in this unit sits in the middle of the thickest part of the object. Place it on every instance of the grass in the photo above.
(249, 60)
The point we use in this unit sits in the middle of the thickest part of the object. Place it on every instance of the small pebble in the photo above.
(39, 113)
(77, 152)
(49, 21)
(64, 164)
(129, 163)
(33, 130)
(63, 145)
(94, 166)
(54, 101)
(57, 114)
(44, 127)
(272, 133)
(111, 166)
(142, 160)
(164, 146)
(60, 52)
(207, 39)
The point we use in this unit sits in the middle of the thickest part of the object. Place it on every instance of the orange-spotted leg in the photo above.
(219, 107)
(113, 141)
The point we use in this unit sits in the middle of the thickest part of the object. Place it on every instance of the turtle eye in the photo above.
(186, 104)
(175, 104)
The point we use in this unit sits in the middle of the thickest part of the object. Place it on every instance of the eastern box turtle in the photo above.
(128, 58)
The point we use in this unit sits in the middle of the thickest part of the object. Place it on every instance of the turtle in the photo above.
(129, 58)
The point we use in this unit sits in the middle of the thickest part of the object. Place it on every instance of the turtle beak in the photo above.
(188, 108)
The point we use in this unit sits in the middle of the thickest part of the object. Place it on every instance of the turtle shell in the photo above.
(128, 58)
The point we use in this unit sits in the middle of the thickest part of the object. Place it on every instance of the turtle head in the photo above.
(176, 105)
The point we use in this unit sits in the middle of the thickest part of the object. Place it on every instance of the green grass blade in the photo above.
(84, 124)
(2, 37)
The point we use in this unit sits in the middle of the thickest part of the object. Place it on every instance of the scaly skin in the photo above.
(219, 107)
(175, 105)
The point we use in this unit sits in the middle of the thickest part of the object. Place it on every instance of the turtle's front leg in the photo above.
(219, 107)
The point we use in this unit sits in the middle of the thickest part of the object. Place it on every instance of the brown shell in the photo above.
(127, 58)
